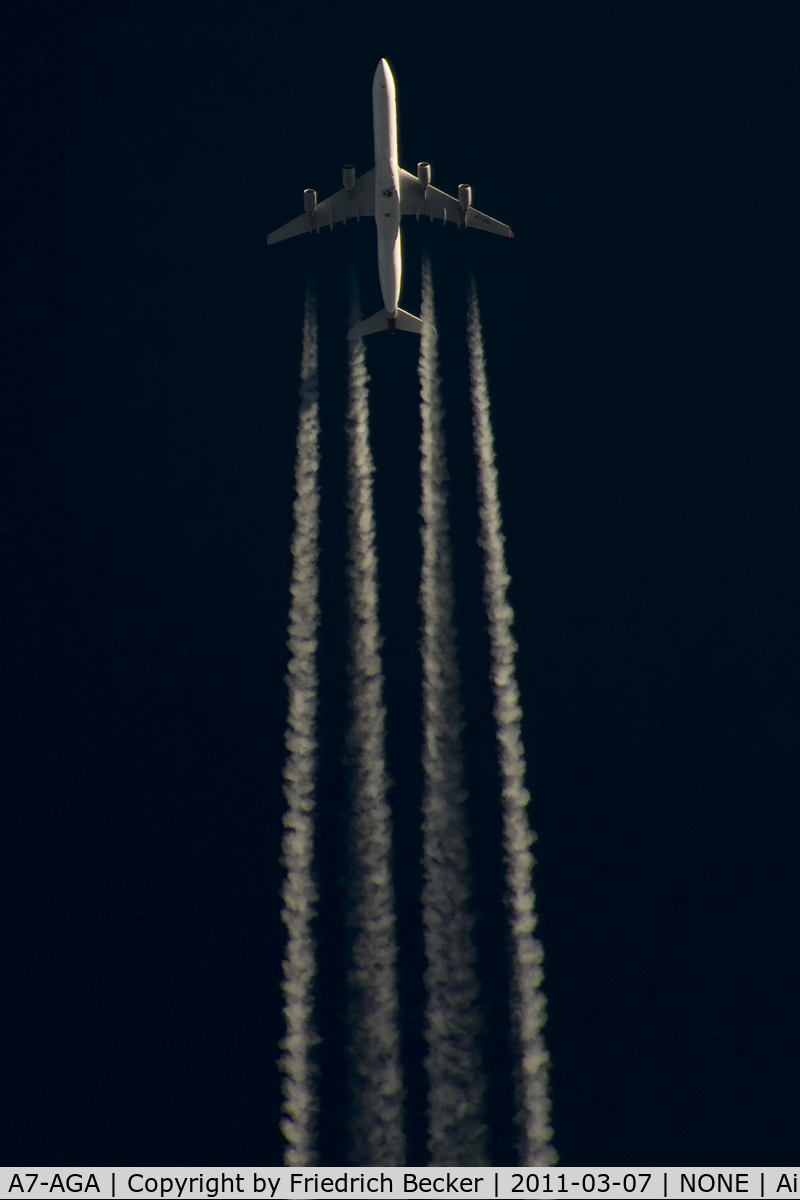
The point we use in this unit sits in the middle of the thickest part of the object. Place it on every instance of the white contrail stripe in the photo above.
(299, 893)
(527, 1003)
(377, 1119)
(457, 1134)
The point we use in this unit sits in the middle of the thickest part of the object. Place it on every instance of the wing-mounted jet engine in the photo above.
(387, 193)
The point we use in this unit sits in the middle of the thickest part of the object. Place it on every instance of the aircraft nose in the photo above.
(382, 72)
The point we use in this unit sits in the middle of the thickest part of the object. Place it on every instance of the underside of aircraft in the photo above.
(387, 193)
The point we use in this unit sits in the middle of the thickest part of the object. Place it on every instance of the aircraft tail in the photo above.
(381, 320)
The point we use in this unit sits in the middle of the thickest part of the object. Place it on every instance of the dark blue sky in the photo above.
(641, 350)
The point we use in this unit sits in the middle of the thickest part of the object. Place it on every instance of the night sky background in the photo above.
(641, 343)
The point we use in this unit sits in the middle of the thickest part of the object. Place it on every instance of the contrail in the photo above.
(527, 1002)
(377, 1091)
(457, 1134)
(299, 892)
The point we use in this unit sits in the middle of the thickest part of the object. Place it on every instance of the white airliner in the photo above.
(386, 193)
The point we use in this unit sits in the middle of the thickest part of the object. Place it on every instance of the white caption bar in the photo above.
(278, 1183)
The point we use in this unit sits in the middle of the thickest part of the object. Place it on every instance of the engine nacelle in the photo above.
(464, 196)
(423, 175)
(309, 200)
(349, 177)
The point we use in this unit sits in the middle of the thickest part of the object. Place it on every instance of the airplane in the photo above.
(387, 193)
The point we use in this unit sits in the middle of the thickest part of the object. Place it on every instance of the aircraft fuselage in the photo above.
(387, 192)
(387, 186)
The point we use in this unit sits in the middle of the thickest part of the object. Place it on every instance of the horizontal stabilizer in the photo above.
(381, 320)
(408, 322)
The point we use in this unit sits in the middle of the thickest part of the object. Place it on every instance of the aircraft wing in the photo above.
(359, 202)
(439, 206)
